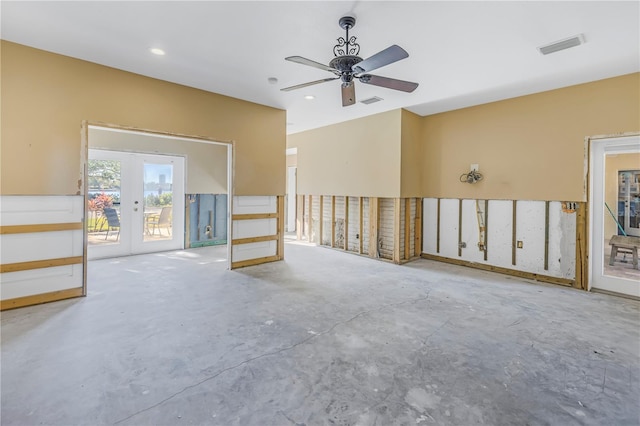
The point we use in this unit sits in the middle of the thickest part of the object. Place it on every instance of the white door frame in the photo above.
(598, 147)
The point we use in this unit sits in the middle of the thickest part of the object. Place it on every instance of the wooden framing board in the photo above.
(321, 219)
(546, 235)
(333, 221)
(373, 226)
(280, 228)
(460, 227)
(252, 262)
(417, 246)
(360, 224)
(438, 228)
(514, 235)
(251, 216)
(407, 228)
(310, 219)
(346, 223)
(501, 270)
(45, 227)
(299, 217)
(40, 264)
(582, 246)
(397, 210)
(250, 240)
(486, 229)
(37, 299)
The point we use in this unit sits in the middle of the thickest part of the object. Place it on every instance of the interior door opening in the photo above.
(615, 215)
(149, 193)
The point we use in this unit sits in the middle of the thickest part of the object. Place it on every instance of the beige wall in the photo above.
(613, 164)
(411, 154)
(358, 157)
(205, 163)
(45, 98)
(528, 148)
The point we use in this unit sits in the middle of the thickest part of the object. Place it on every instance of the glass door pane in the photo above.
(103, 209)
(158, 201)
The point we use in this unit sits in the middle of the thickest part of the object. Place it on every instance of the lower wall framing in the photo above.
(381, 228)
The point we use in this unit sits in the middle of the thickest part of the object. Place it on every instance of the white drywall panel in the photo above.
(500, 214)
(254, 228)
(429, 225)
(530, 226)
(255, 204)
(32, 210)
(40, 245)
(562, 242)
(250, 251)
(449, 227)
(39, 281)
(471, 232)
(26, 247)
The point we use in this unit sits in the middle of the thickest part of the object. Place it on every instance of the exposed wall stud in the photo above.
(582, 260)
(310, 220)
(486, 228)
(300, 217)
(438, 229)
(346, 223)
(396, 229)
(321, 224)
(407, 228)
(360, 225)
(513, 232)
(280, 228)
(333, 221)
(418, 229)
(546, 235)
(373, 226)
(460, 227)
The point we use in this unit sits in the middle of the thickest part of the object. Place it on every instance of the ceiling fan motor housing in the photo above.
(344, 64)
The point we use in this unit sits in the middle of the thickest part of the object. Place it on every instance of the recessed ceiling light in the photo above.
(309, 97)
(157, 51)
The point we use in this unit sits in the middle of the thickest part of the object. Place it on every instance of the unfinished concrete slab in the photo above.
(324, 338)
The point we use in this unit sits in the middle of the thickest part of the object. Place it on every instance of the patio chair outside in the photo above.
(113, 221)
(162, 220)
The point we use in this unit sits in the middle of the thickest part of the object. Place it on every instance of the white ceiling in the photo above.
(461, 53)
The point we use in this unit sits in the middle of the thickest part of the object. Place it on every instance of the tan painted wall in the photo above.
(205, 163)
(613, 164)
(411, 155)
(46, 97)
(528, 148)
(358, 157)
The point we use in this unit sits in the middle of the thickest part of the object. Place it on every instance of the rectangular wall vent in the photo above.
(372, 100)
(562, 44)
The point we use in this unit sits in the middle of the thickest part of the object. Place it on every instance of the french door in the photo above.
(614, 199)
(135, 203)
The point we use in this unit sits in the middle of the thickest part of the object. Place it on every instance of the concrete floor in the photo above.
(325, 338)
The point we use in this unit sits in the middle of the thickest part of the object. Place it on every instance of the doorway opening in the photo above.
(615, 215)
(148, 193)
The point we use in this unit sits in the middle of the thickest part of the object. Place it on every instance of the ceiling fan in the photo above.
(347, 66)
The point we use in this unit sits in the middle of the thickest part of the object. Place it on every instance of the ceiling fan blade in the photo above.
(348, 94)
(309, 62)
(311, 83)
(389, 83)
(385, 57)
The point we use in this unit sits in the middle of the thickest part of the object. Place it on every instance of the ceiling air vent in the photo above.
(372, 100)
(562, 44)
